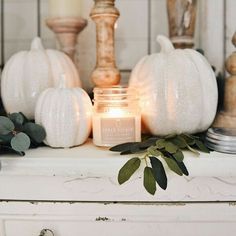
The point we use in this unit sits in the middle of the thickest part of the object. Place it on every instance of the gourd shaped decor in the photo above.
(28, 73)
(65, 114)
(178, 90)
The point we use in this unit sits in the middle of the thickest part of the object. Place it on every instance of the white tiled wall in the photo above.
(132, 34)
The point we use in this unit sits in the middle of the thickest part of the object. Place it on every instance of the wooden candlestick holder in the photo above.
(227, 117)
(67, 30)
(105, 14)
(182, 20)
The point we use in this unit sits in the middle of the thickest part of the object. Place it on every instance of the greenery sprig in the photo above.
(17, 134)
(155, 150)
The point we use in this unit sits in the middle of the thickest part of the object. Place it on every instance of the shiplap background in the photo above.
(138, 26)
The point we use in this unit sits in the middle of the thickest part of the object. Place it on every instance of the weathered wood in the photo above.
(89, 173)
(227, 117)
(105, 14)
(102, 219)
(67, 30)
(182, 19)
(230, 24)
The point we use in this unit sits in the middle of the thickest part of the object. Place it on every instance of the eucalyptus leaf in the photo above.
(135, 148)
(16, 118)
(128, 169)
(123, 147)
(35, 131)
(171, 148)
(170, 136)
(20, 142)
(179, 141)
(201, 146)
(6, 125)
(192, 136)
(134, 151)
(127, 152)
(193, 150)
(6, 138)
(173, 166)
(25, 118)
(159, 172)
(183, 168)
(9, 150)
(147, 143)
(161, 143)
(179, 156)
(152, 151)
(149, 181)
(188, 139)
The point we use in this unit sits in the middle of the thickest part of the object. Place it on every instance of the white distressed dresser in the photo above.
(74, 192)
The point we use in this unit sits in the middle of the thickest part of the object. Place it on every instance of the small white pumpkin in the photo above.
(66, 114)
(178, 90)
(28, 73)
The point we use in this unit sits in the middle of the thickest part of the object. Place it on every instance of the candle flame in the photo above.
(116, 112)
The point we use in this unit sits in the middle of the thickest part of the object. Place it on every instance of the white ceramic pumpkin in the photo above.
(28, 73)
(65, 113)
(178, 90)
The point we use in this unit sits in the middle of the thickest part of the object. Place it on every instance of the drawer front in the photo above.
(102, 219)
(32, 228)
(77, 228)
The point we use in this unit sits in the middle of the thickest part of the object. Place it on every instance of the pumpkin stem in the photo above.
(62, 82)
(37, 44)
(166, 45)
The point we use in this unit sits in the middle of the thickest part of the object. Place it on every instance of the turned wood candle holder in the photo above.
(227, 117)
(182, 20)
(105, 15)
(67, 30)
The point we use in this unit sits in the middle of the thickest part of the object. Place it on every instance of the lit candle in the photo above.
(117, 117)
(65, 8)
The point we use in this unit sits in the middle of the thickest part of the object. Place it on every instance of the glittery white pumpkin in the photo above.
(178, 90)
(65, 113)
(28, 73)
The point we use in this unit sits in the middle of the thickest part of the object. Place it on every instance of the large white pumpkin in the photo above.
(178, 90)
(28, 73)
(65, 113)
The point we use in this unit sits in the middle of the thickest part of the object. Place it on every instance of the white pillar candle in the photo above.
(65, 8)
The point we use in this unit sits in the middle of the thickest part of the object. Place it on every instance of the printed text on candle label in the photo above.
(117, 130)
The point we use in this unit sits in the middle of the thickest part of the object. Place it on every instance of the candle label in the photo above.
(117, 130)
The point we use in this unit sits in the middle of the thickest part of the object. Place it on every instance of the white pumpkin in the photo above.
(178, 90)
(65, 113)
(28, 73)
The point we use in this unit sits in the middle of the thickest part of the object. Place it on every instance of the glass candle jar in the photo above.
(117, 116)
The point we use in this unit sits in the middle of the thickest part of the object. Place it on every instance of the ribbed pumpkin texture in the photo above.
(66, 116)
(28, 73)
(178, 90)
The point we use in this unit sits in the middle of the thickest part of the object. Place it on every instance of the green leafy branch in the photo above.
(155, 151)
(17, 134)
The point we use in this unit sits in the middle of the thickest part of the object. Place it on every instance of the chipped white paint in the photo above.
(84, 180)
(66, 219)
(88, 173)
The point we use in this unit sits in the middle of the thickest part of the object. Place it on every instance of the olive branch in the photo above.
(155, 150)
